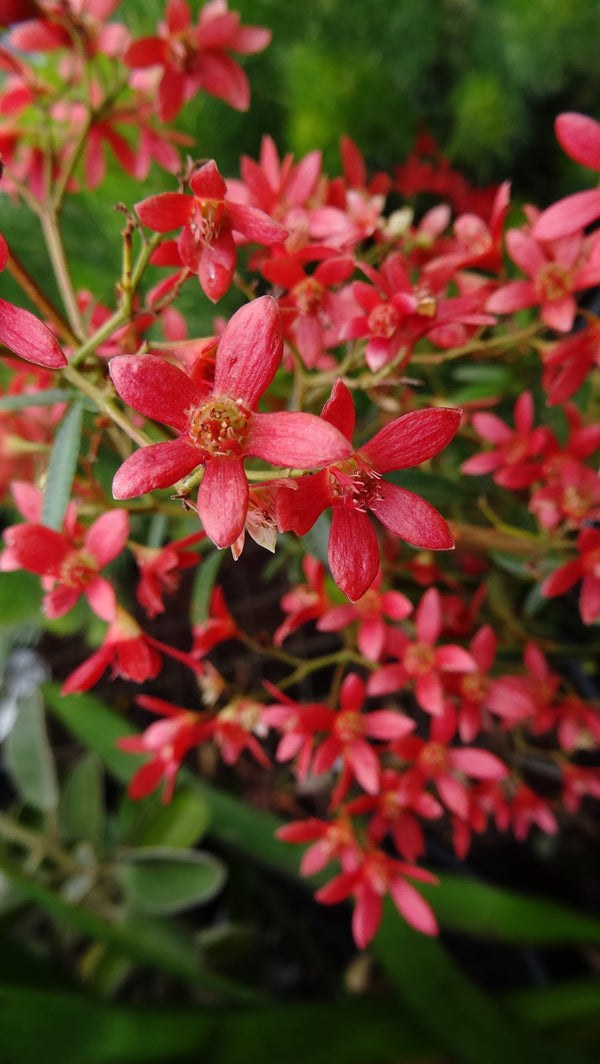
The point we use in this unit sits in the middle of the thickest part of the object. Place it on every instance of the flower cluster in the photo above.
(353, 409)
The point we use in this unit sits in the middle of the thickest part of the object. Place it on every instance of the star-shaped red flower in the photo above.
(219, 426)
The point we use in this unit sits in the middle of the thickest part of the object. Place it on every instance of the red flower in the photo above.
(160, 569)
(355, 485)
(510, 461)
(422, 661)
(195, 57)
(585, 568)
(377, 875)
(25, 334)
(71, 568)
(555, 273)
(580, 138)
(218, 428)
(167, 741)
(130, 652)
(209, 219)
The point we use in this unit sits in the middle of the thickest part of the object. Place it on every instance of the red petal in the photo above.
(223, 500)
(339, 409)
(579, 135)
(155, 388)
(589, 600)
(353, 552)
(101, 598)
(168, 210)
(412, 518)
(106, 538)
(413, 907)
(216, 263)
(28, 337)
(207, 183)
(366, 917)
(301, 441)
(411, 439)
(479, 764)
(255, 224)
(568, 215)
(37, 548)
(516, 295)
(157, 466)
(297, 510)
(250, 351)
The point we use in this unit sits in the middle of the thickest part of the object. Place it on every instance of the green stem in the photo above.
(52, 235)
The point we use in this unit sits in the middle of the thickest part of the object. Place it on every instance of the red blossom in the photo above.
(68, 567)
(579, 135)
(355, 485)
(195, 57)
(585, 568)
(209, 219)
(377, 875)
(218, 428)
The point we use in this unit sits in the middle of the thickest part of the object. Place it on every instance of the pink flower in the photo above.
(422, 661)
(580, 138)
(209, 219)
(377, 875)
(355, 485)
(160, 569)
(167, 741)
(129, 652)
(555, 273)
(585, 568)
(70, 568)
(218, 428)
(511, 459)
(196, 57)
(25, 334)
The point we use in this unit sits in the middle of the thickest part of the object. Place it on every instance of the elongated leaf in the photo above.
(62, 465)
(29, 756)
(161, 880)
(73, 1028)
(46, 398)
(553, 1006)
(181, 823)
(464, 1021)
(475, 908)
(204, 582)
(82, 803)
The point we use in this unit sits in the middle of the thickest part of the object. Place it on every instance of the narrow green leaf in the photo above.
(46, 398)
(161, 880)
(28, 755)
(553, 1006)
(181, 823)
(475, 908)
(204, 583)
(82, 802)
(62, 466)
(464, 1021)
(73, 1028)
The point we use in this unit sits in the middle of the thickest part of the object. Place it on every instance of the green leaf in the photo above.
(464, 1021)
(474, 908)
(73, 1028)
(553, 1006)
(162, 880)
(164, 945)
(82, 802)
(62, 466)
(20, 598)
(46, 398)
(28, 755)
(204, 583)
(181, 823)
